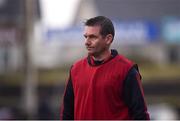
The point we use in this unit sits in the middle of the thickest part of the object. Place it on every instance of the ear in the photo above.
(109, 39)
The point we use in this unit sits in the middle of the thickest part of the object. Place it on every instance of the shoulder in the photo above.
(79, 63)
(123, 64)
(78, 67)
(132, 68)
(124, 60)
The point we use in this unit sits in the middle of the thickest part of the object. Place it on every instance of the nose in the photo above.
(87, 41)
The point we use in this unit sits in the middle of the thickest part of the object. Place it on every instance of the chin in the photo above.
(90, 53)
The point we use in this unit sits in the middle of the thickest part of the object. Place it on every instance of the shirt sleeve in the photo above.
(134, 96)
(67, 110)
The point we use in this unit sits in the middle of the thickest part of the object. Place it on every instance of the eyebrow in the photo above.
(91, 35)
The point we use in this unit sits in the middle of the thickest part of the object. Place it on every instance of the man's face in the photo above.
(95, 43)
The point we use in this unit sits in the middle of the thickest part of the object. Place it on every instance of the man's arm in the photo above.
(67, 110)
(134, 95)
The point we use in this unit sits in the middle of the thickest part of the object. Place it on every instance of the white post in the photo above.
(30, 100)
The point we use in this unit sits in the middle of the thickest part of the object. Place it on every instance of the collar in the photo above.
(92, 62)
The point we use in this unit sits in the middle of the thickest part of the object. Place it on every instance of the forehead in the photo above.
(91, 29)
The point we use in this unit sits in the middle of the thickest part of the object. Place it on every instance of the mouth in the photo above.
(89, 48)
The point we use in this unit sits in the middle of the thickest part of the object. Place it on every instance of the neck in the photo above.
(103, 56)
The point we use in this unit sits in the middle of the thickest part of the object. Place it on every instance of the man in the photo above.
(103, 85)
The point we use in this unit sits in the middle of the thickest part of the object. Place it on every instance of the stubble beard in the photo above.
(97, 53)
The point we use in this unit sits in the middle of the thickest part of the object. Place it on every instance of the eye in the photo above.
(93, 36)
(85, 36)
(90, 36)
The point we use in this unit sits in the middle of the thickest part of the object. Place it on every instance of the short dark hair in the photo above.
(105, 23)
